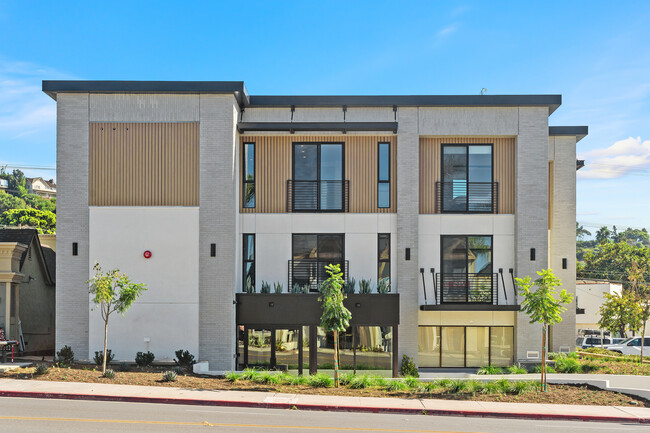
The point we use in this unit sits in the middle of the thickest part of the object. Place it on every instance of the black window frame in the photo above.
(442, 179)
(318, 208)
(379, 179)
(317, 259)
(245, 261)
(380, 260)
(245, 180)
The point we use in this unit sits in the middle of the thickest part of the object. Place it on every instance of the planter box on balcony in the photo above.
(297, 309)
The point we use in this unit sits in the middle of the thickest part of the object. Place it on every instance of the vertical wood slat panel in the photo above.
(144, 164)
(430, 166)
(273, 167)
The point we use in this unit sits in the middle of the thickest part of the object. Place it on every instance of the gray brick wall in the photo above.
(531, 215)
(72, 305)
(563, 243)
(217, 224)
(407, 229)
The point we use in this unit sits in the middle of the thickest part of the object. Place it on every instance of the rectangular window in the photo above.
(318, 183)
(383, 175)
(467, 178)
(466, 269)
(248, 276)
(383, 259)
(311, 253)
(249, 175)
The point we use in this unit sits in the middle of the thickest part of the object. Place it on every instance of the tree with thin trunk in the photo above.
(619, 313)
(335, 317)
(641, 293)
(112, 291)
(542, 306)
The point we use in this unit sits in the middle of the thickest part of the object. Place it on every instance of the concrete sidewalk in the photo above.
(152, 394)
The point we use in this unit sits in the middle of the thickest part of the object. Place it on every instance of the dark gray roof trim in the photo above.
(315, 126)
(223, 87)
(579, 132)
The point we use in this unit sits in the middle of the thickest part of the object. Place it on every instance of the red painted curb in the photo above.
(321, 407)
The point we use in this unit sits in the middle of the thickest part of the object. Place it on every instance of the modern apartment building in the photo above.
(229, 205)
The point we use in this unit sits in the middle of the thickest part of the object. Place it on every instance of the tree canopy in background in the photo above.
(34, 210)
(43, 221)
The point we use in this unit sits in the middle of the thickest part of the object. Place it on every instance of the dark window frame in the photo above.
(380, 260)
(442, 257)
(317, 259)
(318, 174)
(245, 261)
(442, 174)
(245, 180)
(379, 180)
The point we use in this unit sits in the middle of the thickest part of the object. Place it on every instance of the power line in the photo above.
(29, 167)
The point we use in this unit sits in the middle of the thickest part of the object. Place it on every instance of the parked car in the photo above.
(619, 340)
(586, 342)
(631, 346)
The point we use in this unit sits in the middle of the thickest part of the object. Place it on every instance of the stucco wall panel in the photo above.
(130, 107)
(468, 120)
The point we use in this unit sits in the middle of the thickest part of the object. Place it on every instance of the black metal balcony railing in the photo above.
(467, 288)
(312, 273)
(318, 195)
(461, 196)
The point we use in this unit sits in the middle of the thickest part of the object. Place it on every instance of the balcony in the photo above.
(461, 291)
(312, 273)
(318, 195)
(467, 197)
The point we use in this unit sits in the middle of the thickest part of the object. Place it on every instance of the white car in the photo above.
(631, 346)
(586, 342)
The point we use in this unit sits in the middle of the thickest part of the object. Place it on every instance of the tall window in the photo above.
(318, 177)
(383, 175)
(249, 175)
(311, 253)
(249, 263)
(383, 257)
(467, 178)
(466, 269)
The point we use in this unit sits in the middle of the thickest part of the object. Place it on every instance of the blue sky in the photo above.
(596, 54)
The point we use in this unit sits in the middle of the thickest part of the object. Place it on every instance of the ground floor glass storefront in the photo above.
(465, 346)
(360, 348)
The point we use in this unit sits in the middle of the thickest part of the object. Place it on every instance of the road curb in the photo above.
(323, 407)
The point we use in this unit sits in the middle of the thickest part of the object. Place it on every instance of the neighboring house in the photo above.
(40, 186)
(4, 184)
(447, 197)
(27, 278)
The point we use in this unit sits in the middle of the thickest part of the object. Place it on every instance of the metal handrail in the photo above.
(467, 288)
(318, 195)
(312, 273)
(470, 197)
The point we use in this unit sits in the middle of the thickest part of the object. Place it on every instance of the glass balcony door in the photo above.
(318, 177)
(311, 253)
(467, 178)
(466, 269)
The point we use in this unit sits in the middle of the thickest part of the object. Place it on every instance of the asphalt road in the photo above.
(41, 415)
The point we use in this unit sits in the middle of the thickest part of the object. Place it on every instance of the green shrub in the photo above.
(169, 376)
(380, 381)
(250, 374)
(505, 386)
(184, 358)
(232, 376)
(490, 369)
(41, 369)
(123, 367)
(514, 369)
(549, 369)
(296, 380)
(109, 374)
(445, 382)
(383, 285)
(396, 385)
(412, 382)
(431, 386)
(349, 285)
(144, 359)
(65, 357)
(588, 367)
(360, 382)
(99, 357)
(364, 287)
(408, 367)
(458, 385)
(567, 365)
(277, 287)
(320, 380)
(491, 387)
(523, 386)
(266, 287)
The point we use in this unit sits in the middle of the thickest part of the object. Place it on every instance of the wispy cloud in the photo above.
(447, 31)
(629, 156)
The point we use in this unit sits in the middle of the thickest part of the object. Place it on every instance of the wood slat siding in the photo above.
(504, 169)
(273, 169)
(144, 164)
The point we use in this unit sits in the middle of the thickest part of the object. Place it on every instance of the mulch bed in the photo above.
(151, 376)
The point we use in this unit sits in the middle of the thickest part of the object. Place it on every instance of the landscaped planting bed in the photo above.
(351, 385)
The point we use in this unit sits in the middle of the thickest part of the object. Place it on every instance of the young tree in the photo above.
(335, 317)
(112, 291)
(641, 292)
(542, 306)
(619, 313)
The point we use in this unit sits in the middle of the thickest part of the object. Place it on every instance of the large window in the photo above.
(249, 175)
(467, 178)
(317, 183)
(383, 176)
(465, 346)
(466, 269)
(248, 279)
(311, 253)
(383, 259)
